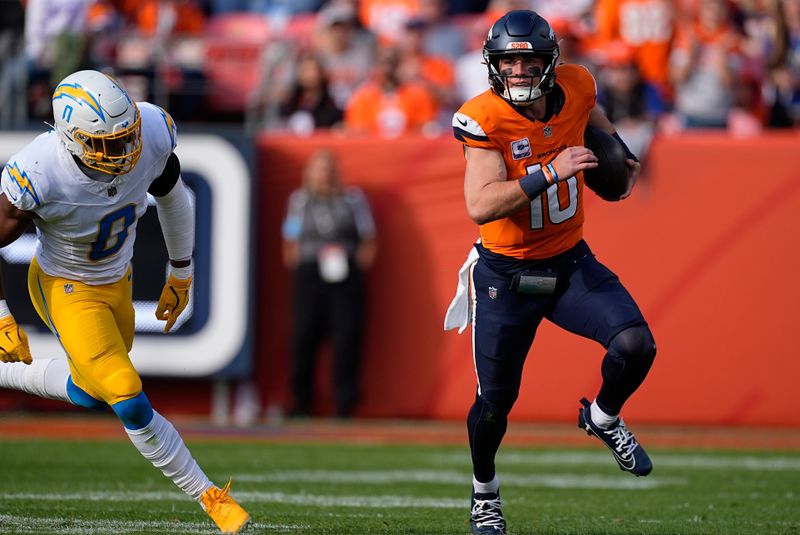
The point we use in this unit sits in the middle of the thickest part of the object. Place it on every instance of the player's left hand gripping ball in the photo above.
(13, 342)
(174, 298)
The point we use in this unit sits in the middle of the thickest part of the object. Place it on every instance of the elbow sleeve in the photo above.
(176, 216)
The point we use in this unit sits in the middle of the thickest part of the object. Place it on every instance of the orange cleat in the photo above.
(226, 513)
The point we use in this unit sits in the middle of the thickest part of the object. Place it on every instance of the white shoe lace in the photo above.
(624, 440)
(487, 513)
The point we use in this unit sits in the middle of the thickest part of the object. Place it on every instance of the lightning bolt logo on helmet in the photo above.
(78, 94)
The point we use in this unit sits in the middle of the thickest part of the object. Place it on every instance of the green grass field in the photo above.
(104, 487)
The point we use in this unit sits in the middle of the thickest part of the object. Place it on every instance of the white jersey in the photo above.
(86, 228)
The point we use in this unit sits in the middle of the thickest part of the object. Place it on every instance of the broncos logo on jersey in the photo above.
(554, 221)
(20, 178)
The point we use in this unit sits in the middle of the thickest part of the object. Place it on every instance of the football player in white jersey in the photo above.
(84, 185)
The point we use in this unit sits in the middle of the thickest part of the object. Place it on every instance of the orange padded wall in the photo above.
(708, 246)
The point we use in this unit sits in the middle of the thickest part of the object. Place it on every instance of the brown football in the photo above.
(609, 179)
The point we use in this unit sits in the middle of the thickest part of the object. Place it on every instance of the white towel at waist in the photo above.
(459, 313)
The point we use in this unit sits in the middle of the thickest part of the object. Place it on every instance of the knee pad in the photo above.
(135, 413)
(634, 344)
(632, 348)
(497, 403)
(120, 385)
(82, 399)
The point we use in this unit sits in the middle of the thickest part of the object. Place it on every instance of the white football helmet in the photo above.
(98, 122)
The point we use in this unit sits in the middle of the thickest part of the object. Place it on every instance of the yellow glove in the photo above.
(174, 298)
(13, 342)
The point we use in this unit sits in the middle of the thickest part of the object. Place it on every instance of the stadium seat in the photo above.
(234, 43)
(300, 28)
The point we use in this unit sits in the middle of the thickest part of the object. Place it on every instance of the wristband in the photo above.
(548, 175)
(4, 310)
(628, 153)
(534, 184)
(182, 272)
(552, 172)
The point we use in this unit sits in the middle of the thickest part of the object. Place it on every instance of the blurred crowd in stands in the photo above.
(386, 67)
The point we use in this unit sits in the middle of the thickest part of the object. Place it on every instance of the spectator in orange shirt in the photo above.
(387, 106)
(165, 16)
(385, 18)
(433, 71)
(645, 25)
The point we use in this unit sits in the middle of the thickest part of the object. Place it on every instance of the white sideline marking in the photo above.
(72, 526)
(375, 502)
(672, 460)
(387, 477)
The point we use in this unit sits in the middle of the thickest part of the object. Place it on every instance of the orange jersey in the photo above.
(645, 25)
(386, 18)
(408, 109)
(554, 220)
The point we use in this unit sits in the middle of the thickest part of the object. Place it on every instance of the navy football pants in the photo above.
(589, 300)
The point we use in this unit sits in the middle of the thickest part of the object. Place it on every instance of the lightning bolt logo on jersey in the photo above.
(86, 227)
(554, 221)
(23, 185)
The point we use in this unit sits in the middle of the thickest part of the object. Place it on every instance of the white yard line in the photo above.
(70, 526)
(671, 460)
(304, 499)
(390, 477)
(367, 501)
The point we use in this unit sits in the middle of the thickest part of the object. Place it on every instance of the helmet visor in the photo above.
(116, 153)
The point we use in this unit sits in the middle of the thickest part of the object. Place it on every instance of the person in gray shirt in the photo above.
(329, 241)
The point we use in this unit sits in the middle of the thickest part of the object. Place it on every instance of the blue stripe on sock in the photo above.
(135, 413)
(82, 399)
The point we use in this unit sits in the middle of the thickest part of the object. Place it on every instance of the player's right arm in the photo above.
(13, 221)
(490, 195)
(13, 341)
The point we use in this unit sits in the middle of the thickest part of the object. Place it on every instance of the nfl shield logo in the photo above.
(492, 292)
(548, 131)
(68, 289)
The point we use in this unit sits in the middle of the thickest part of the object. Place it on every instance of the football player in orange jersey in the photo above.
(523, 143)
